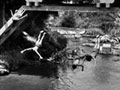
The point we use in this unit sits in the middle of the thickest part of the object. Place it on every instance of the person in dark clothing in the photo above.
(80, 61)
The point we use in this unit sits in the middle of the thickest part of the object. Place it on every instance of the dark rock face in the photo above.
(11, 60)
(52, 43)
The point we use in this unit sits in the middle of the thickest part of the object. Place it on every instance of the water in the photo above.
(105, 75)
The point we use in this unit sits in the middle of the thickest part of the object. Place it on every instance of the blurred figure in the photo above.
(81, 60)
(38, 43)
(79, 57)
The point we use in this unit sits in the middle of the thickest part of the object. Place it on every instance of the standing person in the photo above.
(97, 42)
(98, 46)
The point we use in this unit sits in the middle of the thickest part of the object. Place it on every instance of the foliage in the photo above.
(100, 22)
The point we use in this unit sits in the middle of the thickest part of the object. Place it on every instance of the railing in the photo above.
(7, 29)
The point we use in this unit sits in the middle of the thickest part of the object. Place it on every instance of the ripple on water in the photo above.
(104, 76)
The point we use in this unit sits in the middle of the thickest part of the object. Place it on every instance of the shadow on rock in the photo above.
(44, 69)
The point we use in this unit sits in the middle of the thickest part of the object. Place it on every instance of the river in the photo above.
(105, 75)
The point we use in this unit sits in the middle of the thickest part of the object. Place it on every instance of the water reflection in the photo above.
(44, 70)
(102, 69)
(94, 76)
(63, 77)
